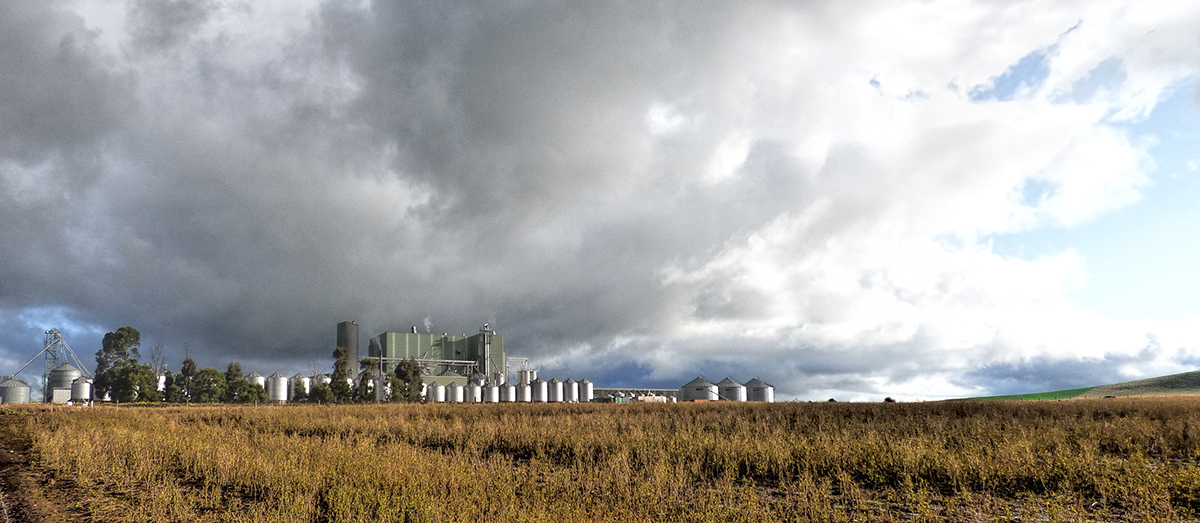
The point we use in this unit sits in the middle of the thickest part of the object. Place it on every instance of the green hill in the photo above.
(1175, 384)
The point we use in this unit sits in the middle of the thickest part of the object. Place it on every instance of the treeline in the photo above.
(120, 377)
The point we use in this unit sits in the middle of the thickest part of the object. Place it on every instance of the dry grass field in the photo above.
(1100, 460)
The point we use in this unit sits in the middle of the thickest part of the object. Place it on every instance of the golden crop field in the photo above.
(1116, 459)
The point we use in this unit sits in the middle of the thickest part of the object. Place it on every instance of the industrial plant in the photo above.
(454, 369)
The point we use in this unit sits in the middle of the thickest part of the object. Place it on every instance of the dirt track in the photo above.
(26, 494)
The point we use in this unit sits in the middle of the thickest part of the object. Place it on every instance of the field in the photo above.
(1123, 459)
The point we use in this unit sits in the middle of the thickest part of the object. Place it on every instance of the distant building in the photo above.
(445, 358)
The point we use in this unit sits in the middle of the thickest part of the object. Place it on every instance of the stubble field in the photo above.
(1116, 459)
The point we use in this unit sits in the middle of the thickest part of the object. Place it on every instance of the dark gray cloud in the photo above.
(626, 190)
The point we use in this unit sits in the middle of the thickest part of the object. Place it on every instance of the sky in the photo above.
(920, 200)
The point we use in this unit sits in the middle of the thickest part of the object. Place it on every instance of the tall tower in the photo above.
(347, 338)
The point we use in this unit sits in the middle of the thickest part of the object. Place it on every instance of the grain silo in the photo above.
(554, 391)
(539, 390)
(60, 382)
(524, 393)
(14, 390)
(347, 338)
(525, 377)
(508, 393)
(277, 388)
(435, 393)
(491, 393)
(454, 393)
(731, 390)
(571, 391)
(586, 391)
(759, 390)
(321, 379)
(81, 390)
(698, 389)
(474, 392)
(257, 379)
(299, 382)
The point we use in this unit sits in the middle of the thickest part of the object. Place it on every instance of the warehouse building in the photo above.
(445, 358)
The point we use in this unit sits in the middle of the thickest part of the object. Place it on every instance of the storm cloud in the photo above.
(625, 190)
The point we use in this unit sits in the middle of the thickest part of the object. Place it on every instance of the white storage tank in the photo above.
(586, 392)
(257, 379)
(435, 393)
(698, 389)
(731, 390)
(454, 393)
(474, 392)
(491, 393)
(571, 391)
(81, 390)
(524, 393)
(14, 390)
(320, 379)
(525, 377)
(554, 391)
(759, 390)
(540, 390)
(277, 388)
(509, 393)
(298, 382)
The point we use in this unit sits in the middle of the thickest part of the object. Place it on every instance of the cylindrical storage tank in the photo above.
(539, 390)
(525, 377)
(508, 393)
(524, 393)
(554, 391)
(162, 382)
(63, 376)
(81, 390)
(298, 382)
(14, 391)
(698, 389)
(586, 392)
(454, 393)
(571, 391)
(731, 390)
(474, 393)
(257, 379)
(320, 379)
(436, 393)
(759, 390)
(277, 388)
(491, 393)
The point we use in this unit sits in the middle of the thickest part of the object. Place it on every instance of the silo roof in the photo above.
(699, 382)
(299, 376)
(728, 382)
(13, 382)
(253, 375)
(66, 366)
(758, 383)
(277, 375)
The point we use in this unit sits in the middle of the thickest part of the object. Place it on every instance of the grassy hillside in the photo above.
(1175, 384)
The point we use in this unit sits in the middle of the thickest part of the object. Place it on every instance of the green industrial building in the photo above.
(444, 358)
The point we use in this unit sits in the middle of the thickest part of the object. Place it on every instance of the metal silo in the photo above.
(539, 390)
(759, 390)
(491, 393)
(474, 392)
(524, 393)
(454, 393)
(257, 379)
(320, 379)
(698, 389)
(63, 376)
(299, 381)
(436, 393)
(731, 390)
(14, 391)
(586, 392)
(508, 393)
(571, 391)
(525, 377)
(81, 390)
(554, 391)
(347, 338)
(277, 388)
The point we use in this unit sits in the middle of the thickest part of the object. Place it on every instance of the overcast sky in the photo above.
(851, 199)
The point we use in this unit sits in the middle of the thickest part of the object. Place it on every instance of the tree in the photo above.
(340, 385)
(133, 382)
(236, 386)
(408, 374)
(187, 379)
(255, 393)
(209, 386)
(365, 391)
(117, 348)
(299, 395)
(321, 393)
(172, 392)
